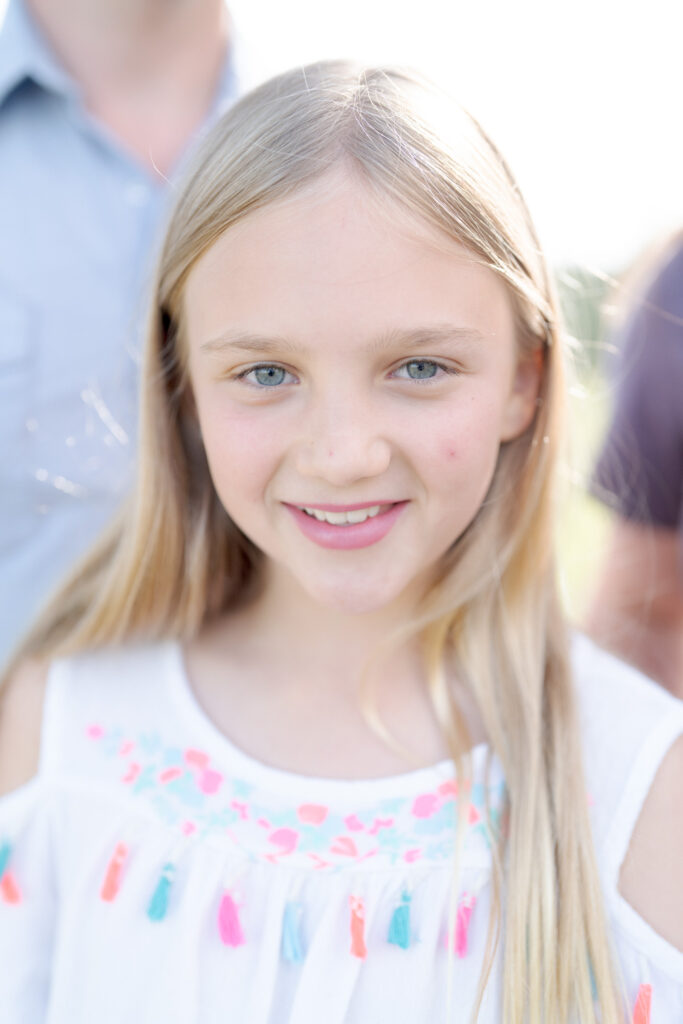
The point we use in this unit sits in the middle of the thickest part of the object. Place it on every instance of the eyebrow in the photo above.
(414, 338)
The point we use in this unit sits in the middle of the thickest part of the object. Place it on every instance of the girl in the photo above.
(311, 745)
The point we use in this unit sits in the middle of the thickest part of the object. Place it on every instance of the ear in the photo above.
(521, 404)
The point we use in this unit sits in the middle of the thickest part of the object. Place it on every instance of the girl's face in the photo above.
(349, 360)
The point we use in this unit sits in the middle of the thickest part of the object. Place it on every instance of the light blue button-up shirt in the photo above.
(79, 226)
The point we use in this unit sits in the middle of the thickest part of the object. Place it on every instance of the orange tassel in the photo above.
(9, 888)
(357, 927)
(641, 1011)
(112, 879)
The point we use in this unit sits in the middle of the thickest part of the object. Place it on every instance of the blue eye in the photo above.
(267, 376)
(421, 369)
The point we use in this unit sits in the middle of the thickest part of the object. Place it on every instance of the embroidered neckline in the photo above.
(188, 790)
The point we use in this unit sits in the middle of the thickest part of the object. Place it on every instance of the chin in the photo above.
(354, 597)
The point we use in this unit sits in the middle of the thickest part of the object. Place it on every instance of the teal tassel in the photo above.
(292, 946)
(399, 929)
(5, 854)
(159, 902)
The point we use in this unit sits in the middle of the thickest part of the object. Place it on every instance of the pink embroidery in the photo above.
(312, 814)
(318, 861)
(310, 833)
(132, 773)
(196, 758)
(210, 781)
(380, 823)
(426, 805)
(353, 824)
(242, 809)
(344, 845)
(286, 839)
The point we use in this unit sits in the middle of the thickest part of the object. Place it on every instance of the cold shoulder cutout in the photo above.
(21, 720)
(152, 871)
(651, 875)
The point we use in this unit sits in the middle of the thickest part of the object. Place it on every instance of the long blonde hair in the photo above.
(173, 559)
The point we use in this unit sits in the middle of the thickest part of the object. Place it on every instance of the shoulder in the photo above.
(21, 717)
(50, 712)
(651, 875)
(627, 725)
(632, 731)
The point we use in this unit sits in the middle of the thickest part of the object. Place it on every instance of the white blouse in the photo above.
(152, 872)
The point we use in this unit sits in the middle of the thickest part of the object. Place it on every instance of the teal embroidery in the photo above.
(187, 791)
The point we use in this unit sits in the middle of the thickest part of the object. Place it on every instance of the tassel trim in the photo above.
(292, 948)
(641, 1011)
(112, 879)
(9, 890)
(158, 905)
(358, 947)
(229, 927)
(399, 928)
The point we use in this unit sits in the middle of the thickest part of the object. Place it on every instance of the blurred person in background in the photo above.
(99, 101)
(637, 607)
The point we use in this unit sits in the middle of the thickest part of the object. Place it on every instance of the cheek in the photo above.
(462, 440)
(241, 451)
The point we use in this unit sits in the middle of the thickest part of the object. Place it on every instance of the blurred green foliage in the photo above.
(583, 523)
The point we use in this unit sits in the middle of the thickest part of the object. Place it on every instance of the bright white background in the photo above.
(584, 98)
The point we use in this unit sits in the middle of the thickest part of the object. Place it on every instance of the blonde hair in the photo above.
(173, 559)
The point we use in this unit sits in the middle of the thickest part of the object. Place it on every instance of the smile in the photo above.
(345, 528)
(351, 517)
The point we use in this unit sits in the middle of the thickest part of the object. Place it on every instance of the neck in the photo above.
(310, 648)
(147, 69)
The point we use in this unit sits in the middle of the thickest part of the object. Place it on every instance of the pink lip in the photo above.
(347, 508)
(346, 538)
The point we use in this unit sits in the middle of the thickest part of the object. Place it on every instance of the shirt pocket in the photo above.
(18, 341)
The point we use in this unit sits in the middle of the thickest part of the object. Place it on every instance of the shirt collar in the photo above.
(25, 54)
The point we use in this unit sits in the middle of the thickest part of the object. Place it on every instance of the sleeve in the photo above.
(27, 904)
(640, 469)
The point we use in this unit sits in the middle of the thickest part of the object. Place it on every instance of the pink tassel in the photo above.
(358, 927)
(641, 1011)
(229, 922)
(112, 879)
(9, 888)
(462, 923)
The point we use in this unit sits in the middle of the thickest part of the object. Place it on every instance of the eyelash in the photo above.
(449, 370)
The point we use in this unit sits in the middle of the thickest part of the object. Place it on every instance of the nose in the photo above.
(342, 443)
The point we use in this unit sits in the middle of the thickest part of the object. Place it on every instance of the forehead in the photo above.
(335, 260)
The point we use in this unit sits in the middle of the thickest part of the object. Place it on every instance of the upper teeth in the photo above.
(358, 515)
